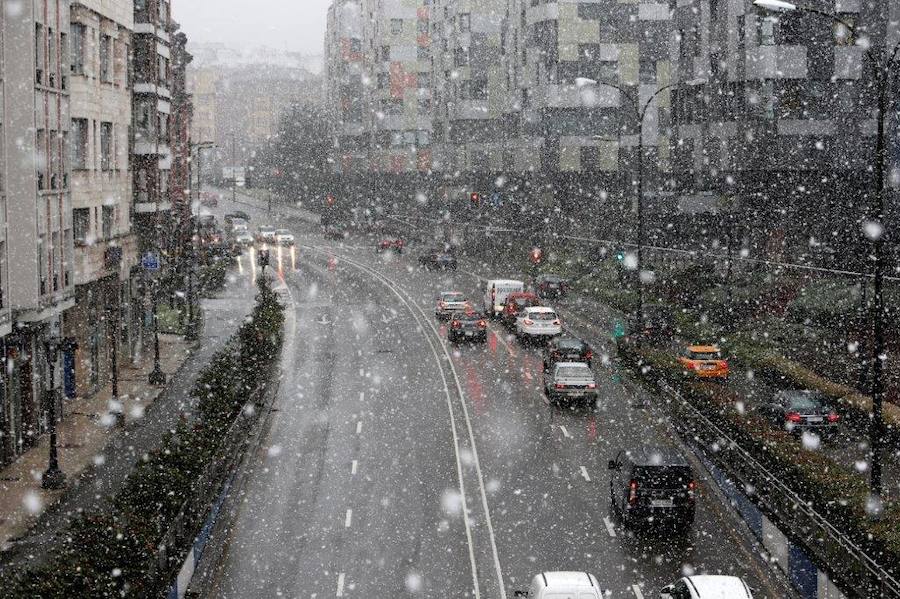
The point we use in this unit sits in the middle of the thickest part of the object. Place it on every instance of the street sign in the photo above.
(150, 261)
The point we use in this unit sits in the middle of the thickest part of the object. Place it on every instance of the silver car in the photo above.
(570, 381)
(449, 303)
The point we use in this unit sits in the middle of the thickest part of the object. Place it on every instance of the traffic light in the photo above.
(475, 198)
(620, 256)
(329, 200)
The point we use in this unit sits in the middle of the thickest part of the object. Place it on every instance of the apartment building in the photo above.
(152, 108)
(36, 244)
(181, 119)
(783, 123)
(106, 252)
(347, 94)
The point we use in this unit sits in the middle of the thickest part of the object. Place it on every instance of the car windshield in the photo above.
(663, 477)
(571, 372)
(234, 237)
(705, 355)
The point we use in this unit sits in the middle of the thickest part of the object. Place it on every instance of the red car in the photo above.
(387, 245)
(514, 303)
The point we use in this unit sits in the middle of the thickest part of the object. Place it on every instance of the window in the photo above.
(422, 26)
(396, 26)
(106, 142)
(385, 53)
(424, 105)
(79, 141)
(64, 60)
(106, 70)
(163, 71)
(424, 79)
(355, 45)
(461, 57)
(109, 214)
(383, 80)
(76, 44)
(81, 221)
(39, 54)
(465, 23)
(647, 70)
(765, 30)
(423, 54)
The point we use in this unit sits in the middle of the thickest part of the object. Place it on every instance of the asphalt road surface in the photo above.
(400, 466)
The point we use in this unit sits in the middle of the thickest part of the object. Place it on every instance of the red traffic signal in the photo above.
(329, 200)
(536, 255)
(475, 198)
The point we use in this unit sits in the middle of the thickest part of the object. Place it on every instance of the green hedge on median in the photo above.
(835, 492)
(110, 552)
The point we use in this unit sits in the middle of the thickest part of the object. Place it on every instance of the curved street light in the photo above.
(885, 66)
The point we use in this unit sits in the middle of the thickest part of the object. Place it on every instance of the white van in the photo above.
(563, 585)
(495, 293)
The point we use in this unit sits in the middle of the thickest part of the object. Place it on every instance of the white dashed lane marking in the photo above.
(348, 519)
(637, 591)
(609, 527)
(340, 586)
(565, 432)
(353, 467)
(359, 427)
(584, 474)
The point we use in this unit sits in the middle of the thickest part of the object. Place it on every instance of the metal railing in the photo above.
(849, 564)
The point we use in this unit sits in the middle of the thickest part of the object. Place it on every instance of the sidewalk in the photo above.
(95, 456)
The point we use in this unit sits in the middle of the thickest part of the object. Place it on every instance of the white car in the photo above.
(495, 293)
(265, 234)
(538, 323)
(284, 237)
(563, 585)
(449, 302)
(239, 226)
(707, 587)
(244, 239)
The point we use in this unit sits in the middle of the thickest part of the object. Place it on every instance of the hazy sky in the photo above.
(297, 25)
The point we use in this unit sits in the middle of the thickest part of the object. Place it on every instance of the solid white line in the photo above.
(565, 432)
(584, 473)
(353, 468)
(425, 322)
(637, 591)
(359, 427)
(609, 526)
(348, 519)
(362, 396)
(340, 589)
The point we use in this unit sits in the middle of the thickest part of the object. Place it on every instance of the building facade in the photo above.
(180, 184)
(37, 252)
(105, 246)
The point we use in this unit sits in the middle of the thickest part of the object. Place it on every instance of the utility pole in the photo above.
(233, 169)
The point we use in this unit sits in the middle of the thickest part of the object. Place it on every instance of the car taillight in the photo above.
(592, 385)
(455, 324)
(557, 322)
(632, 492)
(528, 322)
(793, 417)
(560, 386)
(442, 305)
(589, 355)
(832, 418)
(482, 324)
(692, 486)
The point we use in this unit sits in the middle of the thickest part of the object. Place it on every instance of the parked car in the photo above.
(567, 349)
(537, 323)
(390, 245)
(799, 411)
(265, 234)
(652, 485)
(570, 381)
(515, 302)
(550, 285)
(495, 293)
(450, 302)
(334, 233)
(563, 585)
(284, 237)
(707, 586)
(704, 361)
(209, 199)
(438, 260)
(467, 326)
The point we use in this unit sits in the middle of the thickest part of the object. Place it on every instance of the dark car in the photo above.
(394, 244)
(438, 260)
(799, 411)
(567, 349)
(652, 485)
(516, 302)
(334, 232)
(549, 285)
(467, 326)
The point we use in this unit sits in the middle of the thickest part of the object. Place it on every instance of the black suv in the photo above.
(467, 326)
(652, 485)
(567, 349)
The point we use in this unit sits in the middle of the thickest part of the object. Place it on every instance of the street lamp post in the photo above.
(53, 477)
(157, 376)
(640, 112)
(885, 66)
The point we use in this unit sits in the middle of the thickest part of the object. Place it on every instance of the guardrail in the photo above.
(849, 564)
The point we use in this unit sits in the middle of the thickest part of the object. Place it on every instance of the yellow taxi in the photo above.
(704, 361)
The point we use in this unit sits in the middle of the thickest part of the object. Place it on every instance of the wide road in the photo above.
(398, 465)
